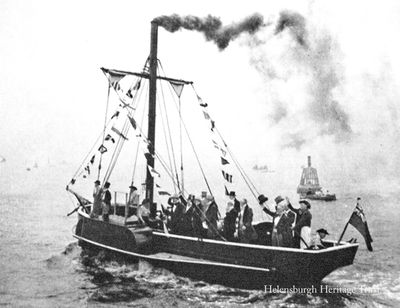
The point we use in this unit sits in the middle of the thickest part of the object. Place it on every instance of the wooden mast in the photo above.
(151, 135)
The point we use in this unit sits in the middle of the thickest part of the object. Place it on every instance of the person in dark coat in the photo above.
(282, 220)
(302, 227)
(106, 202)
(211, 215)
(246, 231)
(178, 209)
(232, 212)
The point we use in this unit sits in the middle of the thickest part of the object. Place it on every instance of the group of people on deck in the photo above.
(101, 201)
(291, 227)
(200, 217)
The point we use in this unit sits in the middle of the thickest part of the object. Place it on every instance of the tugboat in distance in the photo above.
(309, 187)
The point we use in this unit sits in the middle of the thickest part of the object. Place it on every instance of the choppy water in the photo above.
(42, 265)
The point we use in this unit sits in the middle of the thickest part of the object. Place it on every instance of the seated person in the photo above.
(318, 242)
(143, 212)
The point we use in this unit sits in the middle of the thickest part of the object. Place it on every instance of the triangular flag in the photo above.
(164, 193)
(118, 132)
(92, 159)
(224, 161)
(153, 172)
(115, 115)
(178, 87)
(133, 122)
(87, 169)
(227, 176)
(102, 149)
(226, 191)
(137, 85)
(206, 115)
(212, 125)
(108, 137)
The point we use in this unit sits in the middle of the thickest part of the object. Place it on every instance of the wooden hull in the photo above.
(233, 264)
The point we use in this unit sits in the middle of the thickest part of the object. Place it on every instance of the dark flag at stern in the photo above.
(358, 221)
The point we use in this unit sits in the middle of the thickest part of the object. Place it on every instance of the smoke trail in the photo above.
(212, 27)
(296, 23)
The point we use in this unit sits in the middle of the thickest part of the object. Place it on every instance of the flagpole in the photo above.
(344, 230)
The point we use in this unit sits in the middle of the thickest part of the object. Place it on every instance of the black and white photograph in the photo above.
(199, 153)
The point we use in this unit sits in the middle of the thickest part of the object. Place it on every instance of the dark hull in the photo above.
(320, 197)
(233, 264)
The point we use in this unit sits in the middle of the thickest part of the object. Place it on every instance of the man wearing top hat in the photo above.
(97, 192)
(302, 227)
(282, 221)
(232, 212)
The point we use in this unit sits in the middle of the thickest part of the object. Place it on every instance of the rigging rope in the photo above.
(137, 148)
(245, 177)
(169, 134)
(193, 148)
(104, 130)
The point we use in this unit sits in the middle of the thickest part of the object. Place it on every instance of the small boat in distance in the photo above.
(309, 187)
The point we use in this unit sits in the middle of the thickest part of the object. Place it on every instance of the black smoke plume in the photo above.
(295, 23)
(212, 27)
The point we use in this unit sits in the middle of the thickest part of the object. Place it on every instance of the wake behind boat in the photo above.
(208, 255)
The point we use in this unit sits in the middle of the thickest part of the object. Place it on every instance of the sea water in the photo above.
(42, 265)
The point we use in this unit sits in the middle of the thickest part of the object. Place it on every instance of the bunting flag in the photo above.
(201, 102)
(223, 152)
(153, 172)
(147, 155)
(158, 186)
(212, 125)
(136, 86)
(102, 149)
(92, 159)
(133, 122)
(129, 93)
(224, 161)
(227, 176)
(118, 133)
(178, 87)
(113, 77)
(226, 191)
(358, 221)
(164, 193)
(73, 181)
(206, 115)
(108, 137)
(116, 85)
(87, 169)
(115, 115)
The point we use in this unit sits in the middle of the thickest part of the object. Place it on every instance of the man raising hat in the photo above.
(302, 227)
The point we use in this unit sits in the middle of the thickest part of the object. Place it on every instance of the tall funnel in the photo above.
(152, 113)
(309, 161)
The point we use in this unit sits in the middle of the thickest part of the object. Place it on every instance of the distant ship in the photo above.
(309, 187)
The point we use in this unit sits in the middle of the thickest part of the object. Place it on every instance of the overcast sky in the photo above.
(275, 101)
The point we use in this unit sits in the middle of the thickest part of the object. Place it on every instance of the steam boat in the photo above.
(214, 260)
(309, 187)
